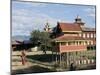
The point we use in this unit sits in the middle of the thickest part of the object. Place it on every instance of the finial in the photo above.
(78, 16)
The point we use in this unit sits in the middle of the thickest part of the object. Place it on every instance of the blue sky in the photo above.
(28, 16)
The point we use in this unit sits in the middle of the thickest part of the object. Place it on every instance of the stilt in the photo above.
(63, 63)
(80, 57)
(73, 56)
(67, 58)
(52, 56)
(56, 58)
(60, 60)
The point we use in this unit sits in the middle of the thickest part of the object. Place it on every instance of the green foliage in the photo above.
(41, 39)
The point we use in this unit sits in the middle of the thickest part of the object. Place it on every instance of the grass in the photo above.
(33, 69)
(42, 57)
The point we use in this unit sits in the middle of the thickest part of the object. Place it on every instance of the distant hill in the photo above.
(20, 37)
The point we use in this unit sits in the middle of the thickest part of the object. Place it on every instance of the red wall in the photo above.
(72, 48)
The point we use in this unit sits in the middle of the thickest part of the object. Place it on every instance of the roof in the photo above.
(14, 42)
(27, 42)
(88, 29)
(69, 27)
(68, 38)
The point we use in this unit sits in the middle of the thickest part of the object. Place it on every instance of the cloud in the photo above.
(91, 12)
(28, 16)
(29, 3)
(24, 21)
(39, 4)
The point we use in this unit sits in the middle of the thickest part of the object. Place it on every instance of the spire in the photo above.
(78, 17)
(79, 21)
(47, 28)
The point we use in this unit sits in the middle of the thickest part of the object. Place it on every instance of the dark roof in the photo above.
(14, 42)
(69, 27)
(17, 42)
(27, 42)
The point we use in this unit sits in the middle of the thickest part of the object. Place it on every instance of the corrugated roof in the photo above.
(69, 27)
(67, 38)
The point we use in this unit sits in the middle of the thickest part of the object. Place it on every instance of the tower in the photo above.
(47, 27)
(79, 21)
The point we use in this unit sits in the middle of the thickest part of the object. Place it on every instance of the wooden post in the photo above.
(52, 56)
(73, 56)
(80, 57)
(56, 58)
(67, 58)
(60, 60)
(63, 59)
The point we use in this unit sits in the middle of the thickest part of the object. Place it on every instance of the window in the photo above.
(66, 43)
(76, 42)
(80, 42)
(84, 35)
(88, 43)
(91, 35)
(87, 35)
(69, 43)
(91, 42)
(84, 43)
(73, 42)
(63, 43)
(80, 35)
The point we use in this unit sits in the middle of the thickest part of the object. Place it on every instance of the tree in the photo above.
(35, 37)
(41, 39)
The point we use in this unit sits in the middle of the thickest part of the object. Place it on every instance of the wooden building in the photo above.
(73, 37)
(16, 45)
(20, 45)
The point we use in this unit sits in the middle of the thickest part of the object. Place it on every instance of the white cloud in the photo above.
(30, 3)
(91, 12)
(92, 15)
(39, 4)
(24, 21)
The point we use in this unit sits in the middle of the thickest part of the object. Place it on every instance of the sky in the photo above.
(29, 16)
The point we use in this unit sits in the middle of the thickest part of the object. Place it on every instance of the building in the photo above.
(16, 45)
(70, 37)
(21, 45)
